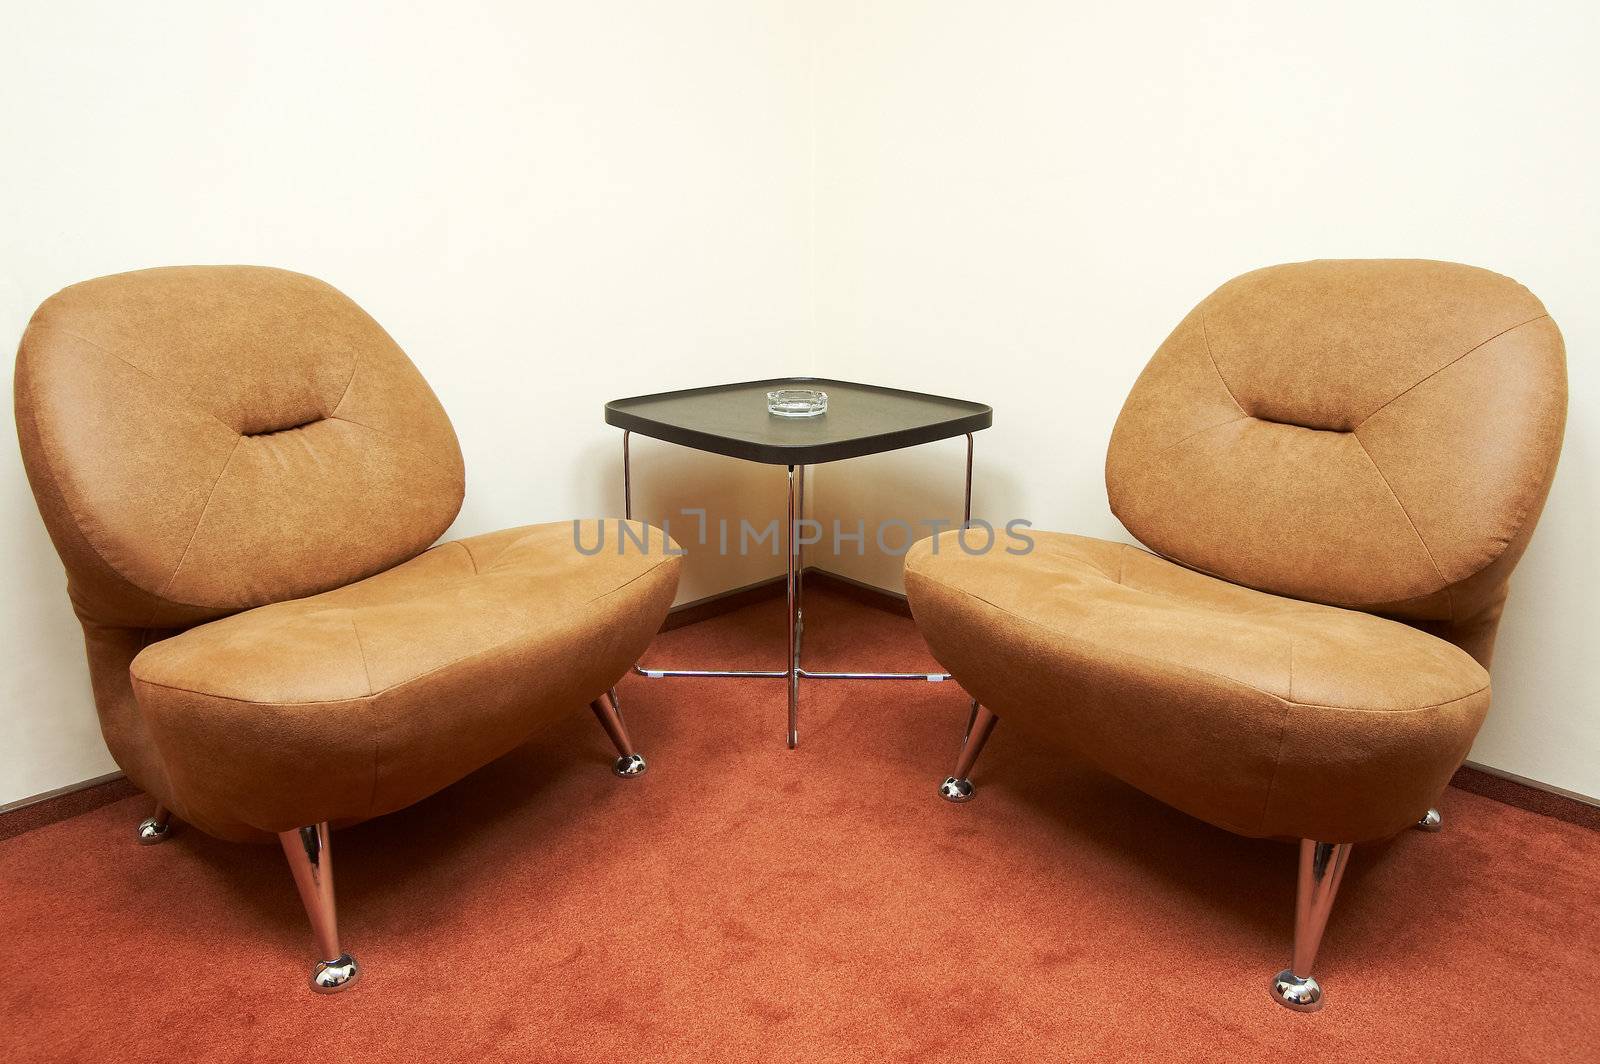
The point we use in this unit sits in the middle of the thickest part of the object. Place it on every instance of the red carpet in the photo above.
(747, 902)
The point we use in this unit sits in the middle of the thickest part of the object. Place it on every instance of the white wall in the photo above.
(549, 205)
(552, 204)
(1016, 203)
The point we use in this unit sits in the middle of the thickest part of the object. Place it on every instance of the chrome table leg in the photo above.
(800, 576)
(794, 587)
(966, 505)
(734, 674)
(705, 674)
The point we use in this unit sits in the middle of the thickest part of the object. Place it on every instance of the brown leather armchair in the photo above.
(242, 474)
(1337, 465)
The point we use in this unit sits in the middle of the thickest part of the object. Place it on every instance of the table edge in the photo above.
(808, 454)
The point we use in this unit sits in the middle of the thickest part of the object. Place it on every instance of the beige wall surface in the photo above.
(550, 205)
(1016, 203)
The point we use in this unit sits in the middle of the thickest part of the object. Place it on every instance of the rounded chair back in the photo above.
(1376, 434)
(206, 439)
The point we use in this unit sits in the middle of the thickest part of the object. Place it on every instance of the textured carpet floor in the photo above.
(743, 901)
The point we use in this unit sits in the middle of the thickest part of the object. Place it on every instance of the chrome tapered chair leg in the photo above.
(958, 788)
(1322, 866)
(157, 827)
(1431, 821)
(628, 763)
(312, 864)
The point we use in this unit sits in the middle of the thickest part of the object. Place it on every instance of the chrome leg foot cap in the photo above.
(331, 977)
(1293, 992)
(152, 831)
(954, 790)
(1431, 821)
(629, 766)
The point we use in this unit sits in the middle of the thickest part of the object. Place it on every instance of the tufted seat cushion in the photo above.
(1223, 701)
(385, 690)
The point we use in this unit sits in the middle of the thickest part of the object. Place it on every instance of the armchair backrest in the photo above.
(206, 439)
(1376, 434)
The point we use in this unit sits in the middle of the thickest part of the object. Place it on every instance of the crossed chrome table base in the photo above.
(1321, 869)
(794, 585)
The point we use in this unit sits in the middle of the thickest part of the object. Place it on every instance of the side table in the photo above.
(732, 420)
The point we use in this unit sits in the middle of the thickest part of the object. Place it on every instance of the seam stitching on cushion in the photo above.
(1277, 758)
(1207, 672)
(1386, 712)
(372, 795)
(195, 532)
(361, 652)
(1446, 366)
(1449, 600)
(399, 683)
(471, 559)
(355, 367)
(1205, 334)
(1368, 608)
(1197, 433)
(429, 456)
(1283, 603)
(1291, 668)
(631, 580)
(1143, 465)
(188, 397)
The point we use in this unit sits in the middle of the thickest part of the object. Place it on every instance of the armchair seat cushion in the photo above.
(364, 699)
(1264, 715)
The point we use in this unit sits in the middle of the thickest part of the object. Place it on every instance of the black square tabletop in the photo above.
(732, 419)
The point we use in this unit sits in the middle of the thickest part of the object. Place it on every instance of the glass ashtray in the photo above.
(797, 402)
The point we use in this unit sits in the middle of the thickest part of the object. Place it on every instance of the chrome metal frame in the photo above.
(311, 861)
(794, 586)
(980, 725)
(628, 763)
(1322, 866)
(157, 827)
(1431, 822)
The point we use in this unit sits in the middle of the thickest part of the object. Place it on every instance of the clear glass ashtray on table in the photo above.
(797, 402)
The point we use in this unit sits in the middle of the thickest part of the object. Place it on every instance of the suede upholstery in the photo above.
(1225, 702)
(247, 444)
(1315, 445)
(1373, 434)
